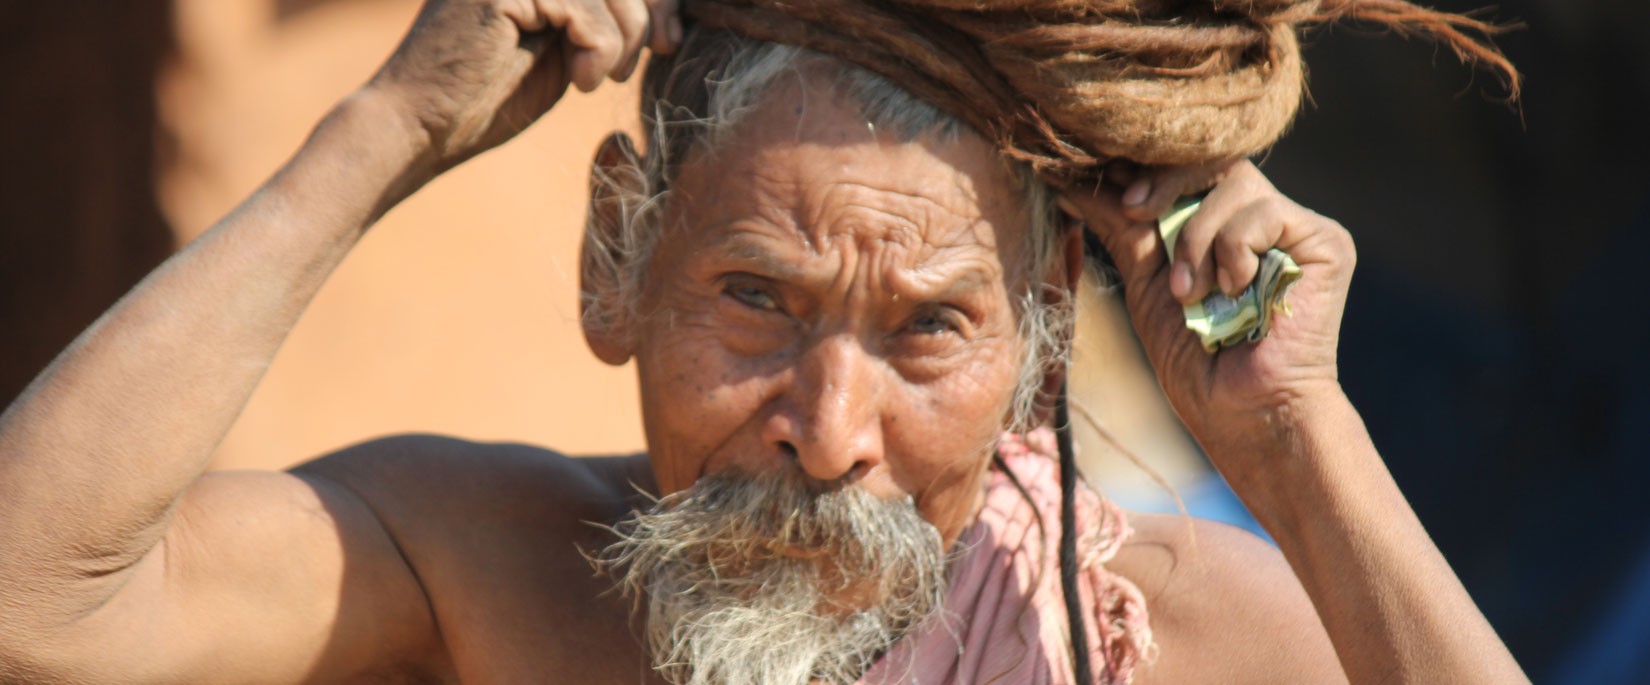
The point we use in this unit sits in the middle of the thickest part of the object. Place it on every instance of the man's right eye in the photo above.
(753, 297)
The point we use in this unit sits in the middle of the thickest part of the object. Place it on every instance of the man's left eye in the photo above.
(932, 322)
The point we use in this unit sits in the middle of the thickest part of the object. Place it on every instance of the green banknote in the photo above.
(1222, 321)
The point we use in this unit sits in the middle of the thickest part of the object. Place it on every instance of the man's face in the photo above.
(827, 299)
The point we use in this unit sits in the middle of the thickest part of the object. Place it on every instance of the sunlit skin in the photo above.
(836, 301)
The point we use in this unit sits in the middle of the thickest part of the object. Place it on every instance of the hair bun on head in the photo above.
(1067, 85)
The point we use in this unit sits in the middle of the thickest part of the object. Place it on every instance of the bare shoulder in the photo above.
(443, 498)
(497, 536)
(1224, 606)
(419, 474)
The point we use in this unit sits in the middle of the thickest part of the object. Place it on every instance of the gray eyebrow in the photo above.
(741, 246)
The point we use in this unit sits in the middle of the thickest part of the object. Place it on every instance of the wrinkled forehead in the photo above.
(807, 159)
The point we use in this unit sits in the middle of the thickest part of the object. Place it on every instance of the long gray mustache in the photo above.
(741, 576)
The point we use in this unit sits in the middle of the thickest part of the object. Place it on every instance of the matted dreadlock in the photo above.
(1066, 85)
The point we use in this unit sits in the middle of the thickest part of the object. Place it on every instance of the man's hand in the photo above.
(1227, 399)
(1273, 419)
(471, 74)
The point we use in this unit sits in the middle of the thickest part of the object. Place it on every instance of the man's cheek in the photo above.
(701, 415)
(954, 495)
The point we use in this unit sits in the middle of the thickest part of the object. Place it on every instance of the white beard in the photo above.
(746, 579)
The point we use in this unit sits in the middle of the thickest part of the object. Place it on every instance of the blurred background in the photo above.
(1493, 340)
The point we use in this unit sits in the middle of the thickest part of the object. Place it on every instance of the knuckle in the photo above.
(1274, 205)
(632, 17)
(1332, 228)
(1252, 183)
(1343, 239)
(607, 43)
(1337, 242)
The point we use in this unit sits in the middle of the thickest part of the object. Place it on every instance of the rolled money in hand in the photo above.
(1222, 321)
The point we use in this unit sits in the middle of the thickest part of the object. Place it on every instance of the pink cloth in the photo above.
(1005, 618)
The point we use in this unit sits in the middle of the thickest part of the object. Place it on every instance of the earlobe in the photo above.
(1066, 273)
(617, 190)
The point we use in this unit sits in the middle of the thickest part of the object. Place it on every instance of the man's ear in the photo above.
(617, 189)
(1066, 272)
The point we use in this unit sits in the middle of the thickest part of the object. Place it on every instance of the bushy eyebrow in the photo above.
(751, 248)
(959, 282)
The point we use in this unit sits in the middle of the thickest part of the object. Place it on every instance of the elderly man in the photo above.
(838, 298)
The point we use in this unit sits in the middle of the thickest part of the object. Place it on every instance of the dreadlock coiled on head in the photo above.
(1067, 85)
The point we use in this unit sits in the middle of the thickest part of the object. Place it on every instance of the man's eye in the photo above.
(932, 323)
(753, 297)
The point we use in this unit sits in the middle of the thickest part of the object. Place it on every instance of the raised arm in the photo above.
(117, 558)
(1274, 421)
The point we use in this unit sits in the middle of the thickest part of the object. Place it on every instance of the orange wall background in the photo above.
(458, 313)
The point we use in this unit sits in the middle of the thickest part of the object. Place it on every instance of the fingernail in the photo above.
(1225, 281)
(1180, 279)
(1137, 193)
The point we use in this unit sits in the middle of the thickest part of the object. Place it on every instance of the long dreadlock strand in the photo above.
(1068, 540)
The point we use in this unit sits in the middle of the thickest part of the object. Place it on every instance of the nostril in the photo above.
(789, 449)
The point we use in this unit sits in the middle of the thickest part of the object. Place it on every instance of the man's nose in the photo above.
(832, 424)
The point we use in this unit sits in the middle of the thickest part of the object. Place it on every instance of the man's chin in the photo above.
(725, 607)
(785, 632)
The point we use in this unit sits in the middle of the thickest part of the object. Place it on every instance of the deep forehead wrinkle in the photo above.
(909, 219)
(772, 251)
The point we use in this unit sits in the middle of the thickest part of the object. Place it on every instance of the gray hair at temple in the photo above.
(692, 101)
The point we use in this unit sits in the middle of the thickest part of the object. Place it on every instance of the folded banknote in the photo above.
(1222, 321)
